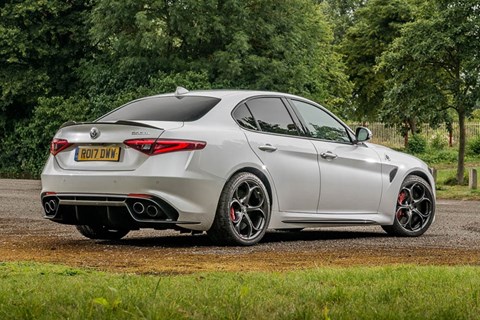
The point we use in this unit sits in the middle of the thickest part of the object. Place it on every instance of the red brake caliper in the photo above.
(401, 198)
(232, 213)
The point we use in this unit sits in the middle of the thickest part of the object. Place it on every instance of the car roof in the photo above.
(226, 93)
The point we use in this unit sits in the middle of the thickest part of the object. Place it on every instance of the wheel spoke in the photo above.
(242, 194)
(420, 215)
(408, 216)
(259, 218)
(249, 225)
(236, 225)
(409, 198)
(256, 198)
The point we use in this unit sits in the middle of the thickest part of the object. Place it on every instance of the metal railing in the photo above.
(392, 137)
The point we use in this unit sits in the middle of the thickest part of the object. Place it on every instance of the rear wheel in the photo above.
(415, 208)
(101, 232)
(243, 211)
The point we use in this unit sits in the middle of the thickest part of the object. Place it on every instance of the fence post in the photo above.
(472, 179)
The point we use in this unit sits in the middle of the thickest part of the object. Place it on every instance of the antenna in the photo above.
(180, 90)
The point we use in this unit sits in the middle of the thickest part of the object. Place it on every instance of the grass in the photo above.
(445, 161)
(39, 291)
(445, 189)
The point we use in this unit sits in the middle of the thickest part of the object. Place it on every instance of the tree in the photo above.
(41, 44)
(435, 64)
(342, 15)
(375, 26)
(256, 44)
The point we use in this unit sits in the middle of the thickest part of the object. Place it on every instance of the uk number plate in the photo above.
(97, 154)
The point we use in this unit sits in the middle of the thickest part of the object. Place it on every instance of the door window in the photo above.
(320, 124)
(244, 118)
(272, 116)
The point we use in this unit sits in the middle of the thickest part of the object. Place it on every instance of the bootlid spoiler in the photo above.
(119, 122)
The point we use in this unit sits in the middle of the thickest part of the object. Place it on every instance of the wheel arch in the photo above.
(422, 175)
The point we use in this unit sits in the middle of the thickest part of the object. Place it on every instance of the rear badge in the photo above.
(140, 133)
(94, 133)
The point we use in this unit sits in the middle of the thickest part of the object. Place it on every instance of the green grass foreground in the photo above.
(38, 291)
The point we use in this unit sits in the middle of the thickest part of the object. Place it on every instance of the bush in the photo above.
(417, 144)
(453, 181)
(442, 156)
(474, 146)
(438, 142)
(27, 147)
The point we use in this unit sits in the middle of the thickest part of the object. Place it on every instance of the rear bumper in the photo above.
(85, 196)
(115, 211)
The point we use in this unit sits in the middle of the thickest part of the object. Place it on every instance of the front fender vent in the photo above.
(393, 173)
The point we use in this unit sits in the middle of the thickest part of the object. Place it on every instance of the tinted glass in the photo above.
(244, 118)
(164, 109)
(320, 124)
(272, 116)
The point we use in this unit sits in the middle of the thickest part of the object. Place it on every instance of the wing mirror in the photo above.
(362, 134)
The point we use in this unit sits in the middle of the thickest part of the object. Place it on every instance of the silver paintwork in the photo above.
(313, 182)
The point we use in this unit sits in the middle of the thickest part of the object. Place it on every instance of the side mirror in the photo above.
(362, 134)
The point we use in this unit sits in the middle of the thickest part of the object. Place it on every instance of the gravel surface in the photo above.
(454, 238)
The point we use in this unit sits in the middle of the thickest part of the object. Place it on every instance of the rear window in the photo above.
(164, 109)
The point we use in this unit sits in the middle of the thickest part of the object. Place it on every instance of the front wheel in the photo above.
(101, 232)
(243, 211)
(415, 208)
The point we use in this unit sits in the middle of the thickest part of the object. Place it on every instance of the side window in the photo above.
(320, 124)
(272, 116)
(244, 118)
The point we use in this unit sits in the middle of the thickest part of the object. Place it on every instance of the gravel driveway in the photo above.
(454, 238)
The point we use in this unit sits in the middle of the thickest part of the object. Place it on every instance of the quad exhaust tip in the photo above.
(152, 211)
(50, 206)
(138, 208)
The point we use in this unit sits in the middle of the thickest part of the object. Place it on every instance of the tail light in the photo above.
(153, 147)
(58, 145)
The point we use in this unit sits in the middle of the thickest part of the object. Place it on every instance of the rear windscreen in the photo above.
(163, 109)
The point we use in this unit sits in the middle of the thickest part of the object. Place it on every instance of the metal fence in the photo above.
(392, 137)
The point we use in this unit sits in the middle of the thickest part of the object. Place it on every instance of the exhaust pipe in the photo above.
(50, 206)
(152, 211)
(138, 208)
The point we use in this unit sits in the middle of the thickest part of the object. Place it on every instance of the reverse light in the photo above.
(58, 145)
(153, 147)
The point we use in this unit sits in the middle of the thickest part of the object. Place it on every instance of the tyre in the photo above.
(415, 208)
(101, 232)
(243, 212)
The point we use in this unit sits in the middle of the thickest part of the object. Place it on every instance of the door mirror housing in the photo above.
(362, 134)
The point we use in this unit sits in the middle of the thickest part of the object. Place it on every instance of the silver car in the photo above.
(233, 164)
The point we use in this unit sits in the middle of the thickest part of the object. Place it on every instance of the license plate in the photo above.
(97, 154)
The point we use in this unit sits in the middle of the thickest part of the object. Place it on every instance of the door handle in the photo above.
(267, 147)
(328, 155)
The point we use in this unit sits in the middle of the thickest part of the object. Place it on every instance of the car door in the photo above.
(350, 174)
(290, 160)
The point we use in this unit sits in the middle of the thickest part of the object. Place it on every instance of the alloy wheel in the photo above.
(248, 210)
(414, 207)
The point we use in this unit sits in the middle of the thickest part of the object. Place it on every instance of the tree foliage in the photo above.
(435, 64)
(41, 45)
(375, 27)
(79, 59)
(403, 61)
(256, 44)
